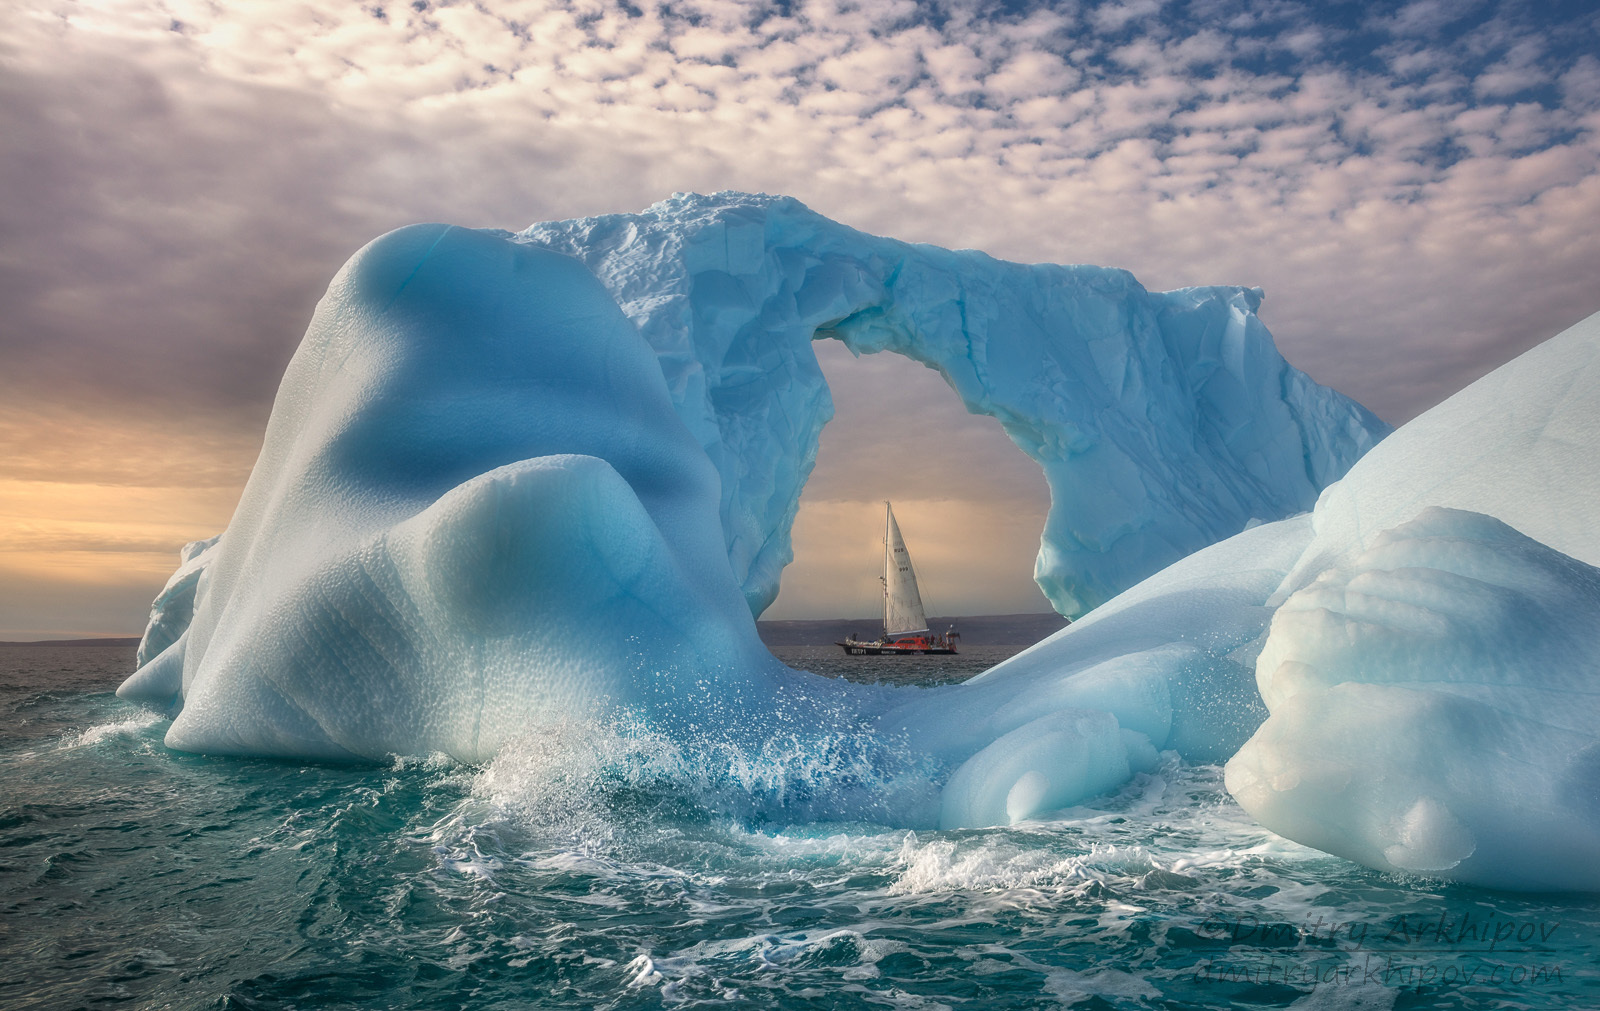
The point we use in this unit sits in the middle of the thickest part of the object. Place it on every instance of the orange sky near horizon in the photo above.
(93, 510)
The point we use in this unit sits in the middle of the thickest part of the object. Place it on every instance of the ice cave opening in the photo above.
(971, 504)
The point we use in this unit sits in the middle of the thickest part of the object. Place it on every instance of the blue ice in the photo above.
(514, 481)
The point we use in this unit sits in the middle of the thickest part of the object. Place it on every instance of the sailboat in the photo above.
(905, 626)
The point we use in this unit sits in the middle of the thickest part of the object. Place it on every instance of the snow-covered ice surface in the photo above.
(1518, 444)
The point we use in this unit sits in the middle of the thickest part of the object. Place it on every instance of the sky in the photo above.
(1416, 186)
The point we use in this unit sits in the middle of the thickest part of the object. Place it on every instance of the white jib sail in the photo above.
(902, 604)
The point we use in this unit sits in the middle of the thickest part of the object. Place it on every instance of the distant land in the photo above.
(983, 630)
(104, 641)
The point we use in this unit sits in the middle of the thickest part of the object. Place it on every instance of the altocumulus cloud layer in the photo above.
(1416, 189)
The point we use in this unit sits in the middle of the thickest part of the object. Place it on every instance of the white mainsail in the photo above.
(902, 604)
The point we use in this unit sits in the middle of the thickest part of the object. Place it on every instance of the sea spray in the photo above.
(569, 777)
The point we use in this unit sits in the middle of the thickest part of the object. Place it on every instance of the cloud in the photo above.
(1113, 17)
(1425, 17)
(108, 445)
(184, 177)
(82, 559)
(1030, 74)
(1519, 70)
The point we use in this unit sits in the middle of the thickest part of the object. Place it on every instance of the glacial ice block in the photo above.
(157, 682)
(1166, 665)
(1047, 763)
(1433, 669)
(474, 508)
(1163, 421)
(1434, 709)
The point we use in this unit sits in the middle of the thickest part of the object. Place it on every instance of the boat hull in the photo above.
(901, 648)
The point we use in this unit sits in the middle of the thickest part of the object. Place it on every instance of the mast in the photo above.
(902, 603)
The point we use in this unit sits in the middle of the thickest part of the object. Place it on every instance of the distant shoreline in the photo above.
(110, 640)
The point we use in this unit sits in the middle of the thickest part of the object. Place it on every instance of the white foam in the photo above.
(91, 736)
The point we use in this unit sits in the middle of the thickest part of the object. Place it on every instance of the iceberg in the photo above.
(1426, 695)
(523, 480)
(450, 533)
(1425, 672)
(1432, 669)
(515, 479)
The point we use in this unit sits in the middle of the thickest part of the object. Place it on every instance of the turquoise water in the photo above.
(602, 868)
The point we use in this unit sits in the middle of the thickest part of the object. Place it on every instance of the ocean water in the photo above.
(599, 867)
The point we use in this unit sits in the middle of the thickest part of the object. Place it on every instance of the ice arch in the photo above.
(483, 502)
(1164, 421)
